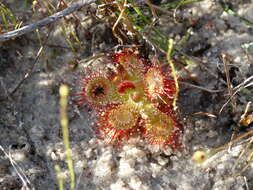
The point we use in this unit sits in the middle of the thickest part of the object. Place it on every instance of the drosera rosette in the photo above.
(133, 64)
(118, 123)
(159, 87)
(98, 91)
(162, 129)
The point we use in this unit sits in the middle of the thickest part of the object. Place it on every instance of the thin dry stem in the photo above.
(122, 10)
(229, 84)
(201, 87)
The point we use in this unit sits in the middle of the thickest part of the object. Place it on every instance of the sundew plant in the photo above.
(133, 100)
